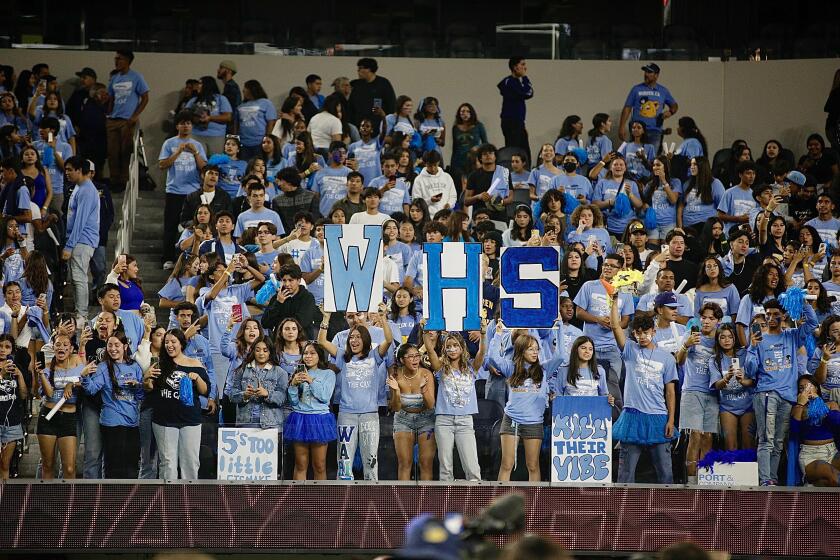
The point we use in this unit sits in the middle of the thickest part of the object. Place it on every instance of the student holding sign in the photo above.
(456, 401)
(527, 401)
(647, 420)
(359, 381)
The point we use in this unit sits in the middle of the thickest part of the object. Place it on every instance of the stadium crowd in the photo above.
(701, 297)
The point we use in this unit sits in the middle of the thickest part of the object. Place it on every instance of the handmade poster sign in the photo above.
(247, 454)
(581, 440)
(353, 267)
(452, 286)
(529, 286)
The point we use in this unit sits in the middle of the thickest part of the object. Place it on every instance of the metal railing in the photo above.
(129, 203)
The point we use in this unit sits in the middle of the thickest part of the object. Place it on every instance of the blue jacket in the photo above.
(275, 380)
(514, 93)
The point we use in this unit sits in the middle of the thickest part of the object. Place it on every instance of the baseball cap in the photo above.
(426, 538)
(229, 64)
(668, 299)
(651, 67)
(87, 71)
(796, 177)
(758, 310)
(637, 227)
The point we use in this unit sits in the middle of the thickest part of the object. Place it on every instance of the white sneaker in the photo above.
(168, 265)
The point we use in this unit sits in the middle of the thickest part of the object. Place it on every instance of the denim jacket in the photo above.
(275, 380)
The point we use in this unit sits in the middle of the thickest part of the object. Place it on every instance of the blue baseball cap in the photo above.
(668, 299)
(426, 538)
(796, 177)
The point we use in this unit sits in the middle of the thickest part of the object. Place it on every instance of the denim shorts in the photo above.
(699, 412)
(810, 453)
(524, 431)
(418, 422)
(660, 232)
(9, 434)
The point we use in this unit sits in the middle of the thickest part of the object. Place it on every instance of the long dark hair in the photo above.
(654, 183)
(209, 91)
(690, 130)
(825, 326)
(23, 91)
(280, 342)
(249, 357)
(288, 126)
(59, 110)
(36, 273)
(736, 345)
(566, 129)
(276, 155)
(703, 278)
(323, 361)
(521, 369)
(366, 342)
(394, 313)
(473, 116)
(256, 89)
(707, 238)
(455, 228)
(522, 233)
(758, 288)
(242, 347)
(573, 373)
(763, 160)
(815, 237)
(111, 364)
(167, 363)
(702, 182)
(823, 305)
(308, 155)
(52, 362)
(597, 121)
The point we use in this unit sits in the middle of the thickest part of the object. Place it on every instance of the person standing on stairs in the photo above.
(82, 230)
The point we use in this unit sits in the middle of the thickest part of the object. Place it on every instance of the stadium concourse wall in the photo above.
(755, 101)
(330, 517)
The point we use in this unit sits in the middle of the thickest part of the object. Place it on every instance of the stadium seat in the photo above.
(589, 49)
(373, 29)
(584, 31)
(460, 30)
(416, 30)
(676, 32)
(465, 47)
(809, 47)
(625, 32)
(683, 49)
(419, 47)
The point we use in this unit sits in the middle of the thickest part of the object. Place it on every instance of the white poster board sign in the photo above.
(248, 454)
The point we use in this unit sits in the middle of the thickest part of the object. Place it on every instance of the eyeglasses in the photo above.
(411, 356)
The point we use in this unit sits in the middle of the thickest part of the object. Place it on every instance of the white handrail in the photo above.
(129, 203)
(552, 29)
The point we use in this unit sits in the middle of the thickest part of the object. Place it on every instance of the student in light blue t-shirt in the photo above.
(638, 152)
(598, 143)
(257, 212)
(331, 182)
(570, 182)
(255, 118)
(606, 191)
(129, 95)
(569, 137)
(542, 175)
(213, 112)
(395, 191)
(527, 400)
(61, 151)
(183, 158)
(647, 418)
(701, 196)
(366, 152)
(738, 200)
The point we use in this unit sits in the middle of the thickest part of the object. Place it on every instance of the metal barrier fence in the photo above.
(129, 202)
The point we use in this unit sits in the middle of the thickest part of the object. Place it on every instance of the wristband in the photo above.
(325, 327)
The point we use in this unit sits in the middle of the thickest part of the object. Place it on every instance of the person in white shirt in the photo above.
(325, 127)
(371, 215)
(434, 185)
(298, 247)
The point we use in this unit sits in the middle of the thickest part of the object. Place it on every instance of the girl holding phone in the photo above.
(259, 389)
(311, 425)
(13, 392)
(726, 375)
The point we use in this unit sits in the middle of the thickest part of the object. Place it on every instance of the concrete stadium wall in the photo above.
(755, 101)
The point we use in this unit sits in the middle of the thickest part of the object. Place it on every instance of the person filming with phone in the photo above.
(292, 300)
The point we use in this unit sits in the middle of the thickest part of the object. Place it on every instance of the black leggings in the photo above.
(121, 446)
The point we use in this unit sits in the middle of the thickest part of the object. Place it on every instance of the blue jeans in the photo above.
(495, 389)
(772, 417)
(93, 443)
(660, 455)
(97, 267)
(148, 449)
(610, 360)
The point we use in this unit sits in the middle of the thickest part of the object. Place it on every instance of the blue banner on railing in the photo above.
(581, 440)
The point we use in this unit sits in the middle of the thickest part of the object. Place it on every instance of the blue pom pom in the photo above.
(218, 159)
(581, 154)
(622, 206)
(569, 203)
(693, 322)
(185, 390)
(810, 344)
(793, 301)
(48, 159)
(726, 457)
(817, 411)
(650, 218)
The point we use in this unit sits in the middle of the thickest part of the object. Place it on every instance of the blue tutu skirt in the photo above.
(309, 428)
(639, 428)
